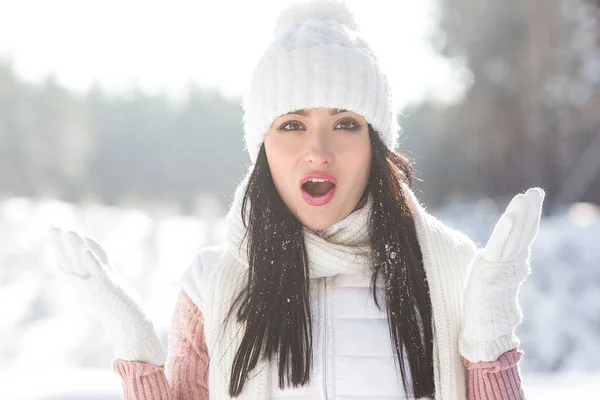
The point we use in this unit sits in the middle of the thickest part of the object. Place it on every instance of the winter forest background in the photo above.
(150, 175)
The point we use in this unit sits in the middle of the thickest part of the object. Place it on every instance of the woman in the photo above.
(335, 282)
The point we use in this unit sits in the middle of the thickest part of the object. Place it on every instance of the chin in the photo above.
(317, 227)
(322, 219)
(316, 222)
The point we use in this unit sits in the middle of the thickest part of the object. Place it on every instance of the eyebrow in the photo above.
(305, 114)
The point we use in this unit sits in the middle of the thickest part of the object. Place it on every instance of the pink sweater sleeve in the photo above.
(185, 375)
(496, 380)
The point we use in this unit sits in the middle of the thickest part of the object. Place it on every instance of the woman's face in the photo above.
(320, 160)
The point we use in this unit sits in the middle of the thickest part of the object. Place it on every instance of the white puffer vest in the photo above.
(353, 354)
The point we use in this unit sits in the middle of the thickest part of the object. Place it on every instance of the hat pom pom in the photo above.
(297, 13)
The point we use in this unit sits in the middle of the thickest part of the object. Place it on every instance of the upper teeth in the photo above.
(318, 180)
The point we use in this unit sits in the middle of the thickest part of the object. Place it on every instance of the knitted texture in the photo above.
(185, 376)
(318, 59)
(496, 380)
(108, 296)
(493, 314)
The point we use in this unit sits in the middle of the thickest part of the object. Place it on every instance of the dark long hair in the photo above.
(274, 304)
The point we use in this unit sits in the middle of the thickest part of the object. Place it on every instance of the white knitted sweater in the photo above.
(447, 256)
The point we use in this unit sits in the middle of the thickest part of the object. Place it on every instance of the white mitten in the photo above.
(128, 328)
(491, 310)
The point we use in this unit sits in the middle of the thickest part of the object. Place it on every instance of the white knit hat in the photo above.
(317, 59)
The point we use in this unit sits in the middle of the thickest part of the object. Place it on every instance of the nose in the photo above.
(319, 150)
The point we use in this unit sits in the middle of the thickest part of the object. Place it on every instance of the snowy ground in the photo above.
(47, 334)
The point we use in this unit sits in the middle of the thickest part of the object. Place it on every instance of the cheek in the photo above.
(359, 164)
(363, 166)
(277, 148)
(279, 161)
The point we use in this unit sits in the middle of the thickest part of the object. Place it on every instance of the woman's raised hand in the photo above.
(517, 228)
(86, 266)
(491, 311)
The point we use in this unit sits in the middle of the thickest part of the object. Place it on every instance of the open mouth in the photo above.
(318, 187)
(318, 190)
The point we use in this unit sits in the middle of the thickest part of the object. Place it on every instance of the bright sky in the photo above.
(164, 44)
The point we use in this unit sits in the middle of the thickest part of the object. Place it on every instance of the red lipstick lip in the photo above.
(328, 177)
(318, 200)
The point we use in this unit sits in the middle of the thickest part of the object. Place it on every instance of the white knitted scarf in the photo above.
(342, 248)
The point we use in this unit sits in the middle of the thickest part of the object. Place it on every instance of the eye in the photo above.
(293, 124)
(349, 125)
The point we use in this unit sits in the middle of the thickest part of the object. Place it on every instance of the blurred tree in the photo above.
(148, 147)
(10, 92)
(530, 112)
